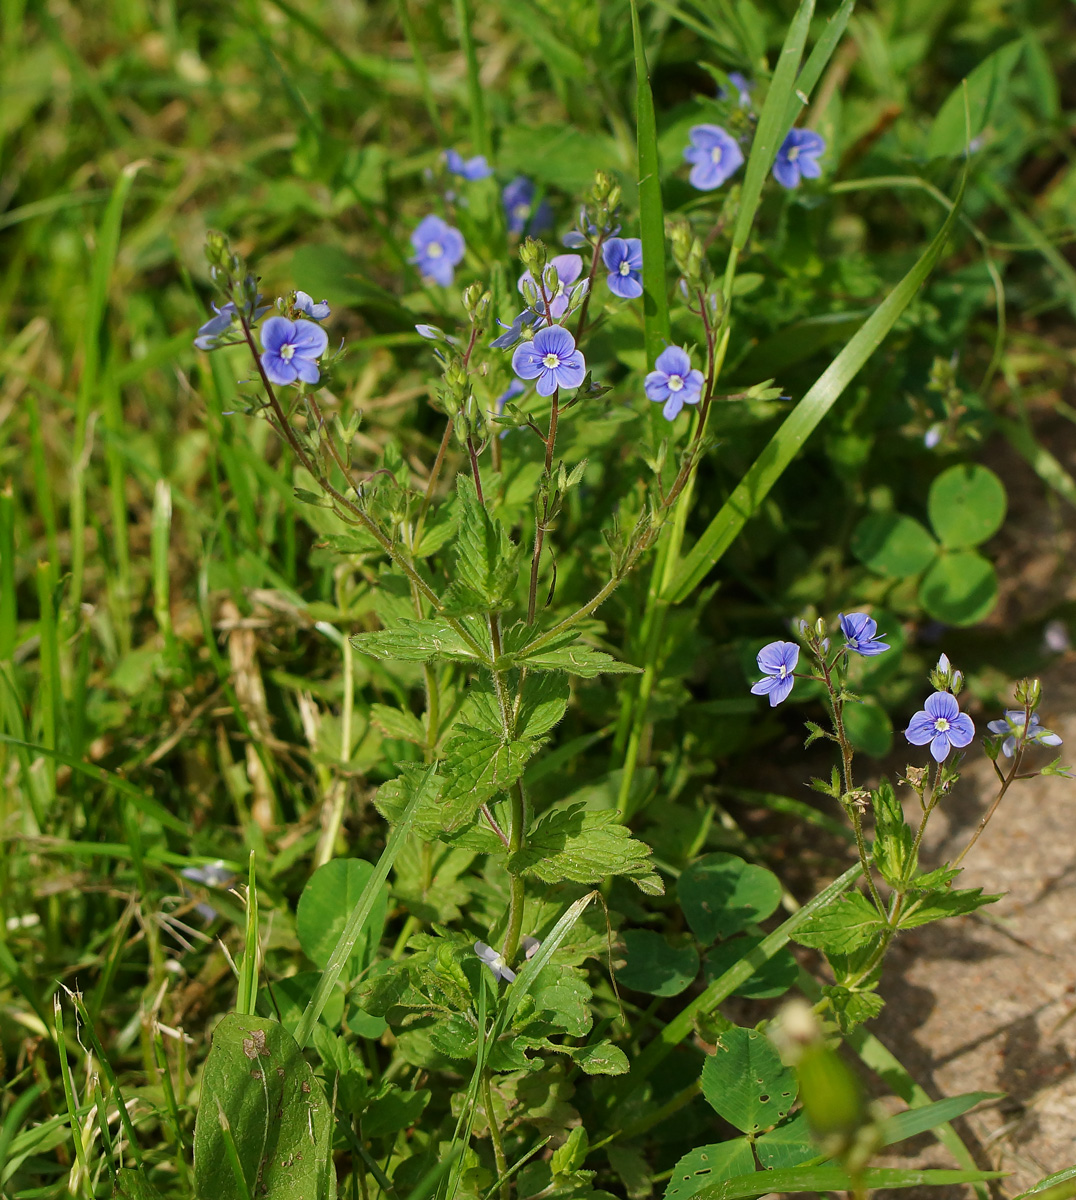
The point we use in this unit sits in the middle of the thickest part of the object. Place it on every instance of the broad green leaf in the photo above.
(651, 208)
(562, 997)
(415, 641)
(327, 900)
(788, 1145)
(918, 1120)
(721, 894)
(986, 87)
(804, 419)
(966, 504)
(600, 1058)
(893, 839)
(394, 1111)
(960, 588)
(708, 1165)
(773, 978)
(892, 544)
(577, 846)
(544, 701)
(655, 967)
(360, 914)
(853, 1007)
(398, 723)
(841, 927)
(576, 659)
(487, 561)
(935, 906)
(133, 1185)
(257, 1082)
(835, 1179)
(745, 1081)
(477, 765)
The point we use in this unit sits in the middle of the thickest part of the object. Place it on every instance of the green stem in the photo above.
(495, 1137)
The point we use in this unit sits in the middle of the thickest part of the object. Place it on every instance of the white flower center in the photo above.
(521, 212)
(551, 360)
(624, 268)
(676, 382)
(715, 154)
(434, 250)
(793, 153)
(560, 289)
(784, 671)
(287, 351)
(941, 725)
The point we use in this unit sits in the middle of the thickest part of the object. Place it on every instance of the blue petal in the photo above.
(940, 747)
(673, 360)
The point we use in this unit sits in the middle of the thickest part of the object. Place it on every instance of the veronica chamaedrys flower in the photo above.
(568, 268)
(438, 248)
(623, 258)
(1013, 724)
(514, 331)
(798, 157)
(941, 723)
(469, 168)
(495, 962)
(291, 350)
(225, 318)
(305, 304)
(716, 154)
(742, 87)
(518, 198)
(859, 634)
(777, 661)
(551, 358)
(673, 381)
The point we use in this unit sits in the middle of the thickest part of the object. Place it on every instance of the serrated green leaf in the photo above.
(391, 800)
(415, 641)
(562, 998)
(893, 838)
(721, 894)
(276, 1112)
(707, 1165)
(577, 846)
(936, 905)
(853, 1007)
(841, 927)
(441, 524)
(544, 701)
(477, 765)
(600, 1058)
(398, 723)
(576, 659)
(788, 1145)
(393, 1111)
(133, 1185)
(486, 558)
(745, 1081)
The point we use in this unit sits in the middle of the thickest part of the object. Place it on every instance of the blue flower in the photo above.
(673, 381)
(305, 304)
(1013, 725)
(552, 359)
(518, 197)
(798, 157)
(859, 631)
(495, 962)
(470, 168)
(292, 349)
(743, 87)
(941, 723)
(568, 268)
(515, 331)
(716, 154)
(438, 248)
(225, 318)
(623, 258)
(777, 661)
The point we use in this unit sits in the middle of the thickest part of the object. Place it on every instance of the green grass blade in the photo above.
(248, 968)
(651, 211)
(792, 1180)
(476, 100)
(680, 1027)
(771, 132)
(816, 62)
(1042, 462)
(804, 418)
(8, 607)
(360, 914)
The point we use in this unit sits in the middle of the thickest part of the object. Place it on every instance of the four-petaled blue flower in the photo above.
(777, 661)
(743, 87)
(469, 168)
(518, 197)
(495, 962)
(941, 723)
(623, 258)
(292, 349)
(859, 633)
(1013, 725)
(552, 359)
(798, 157)
(305, 304)
(568, 268)
(716, 154)
(673, 381)
(438, 248)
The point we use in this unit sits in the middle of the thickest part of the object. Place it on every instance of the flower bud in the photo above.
(532, 254)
